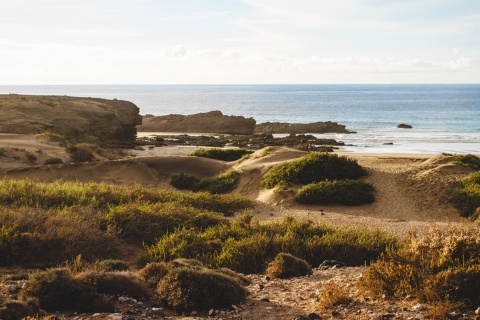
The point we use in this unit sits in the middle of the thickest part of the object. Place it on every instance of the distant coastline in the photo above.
(444, 117)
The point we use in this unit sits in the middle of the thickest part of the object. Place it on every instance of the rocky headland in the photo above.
(106, 122)
(208, 122)
(217, 122)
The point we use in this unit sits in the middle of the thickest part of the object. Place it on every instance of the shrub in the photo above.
(112, 265)
(287, 266)
(55, 137)
(31, 157)
(10, 244)
(147, 222)
(347, 192)
(220, 184)
(188, 289)
(443, 265)
(153, 272)
(3, 151)
(57, 290)
(14, 310)
(222, 154)
(314, 167)
(82, 152)
(467, 199)
(113, 283)
(52, 161)
(333, 295)
(468, 160)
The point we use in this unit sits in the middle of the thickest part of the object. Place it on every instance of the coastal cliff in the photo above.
(106, 122)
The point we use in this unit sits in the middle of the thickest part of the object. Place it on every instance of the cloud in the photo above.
(176, 52)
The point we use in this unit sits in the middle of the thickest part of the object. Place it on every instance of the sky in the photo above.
(58, 42)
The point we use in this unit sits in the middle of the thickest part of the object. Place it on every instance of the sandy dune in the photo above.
(411, 191)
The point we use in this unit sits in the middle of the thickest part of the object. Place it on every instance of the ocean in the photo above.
(445, 118)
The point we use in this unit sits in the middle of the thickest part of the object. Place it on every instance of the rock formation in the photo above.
(404, 126)
(208, 122)
(296, 128)
(106, 122)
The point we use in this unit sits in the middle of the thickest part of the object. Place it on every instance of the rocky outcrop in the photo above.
(404, 126)
(208, 122)
(299, 128)
(106, 122)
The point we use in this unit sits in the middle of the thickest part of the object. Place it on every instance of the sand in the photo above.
(411, 190)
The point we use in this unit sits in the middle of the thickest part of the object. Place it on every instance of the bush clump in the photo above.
(57, 290)
(186, 289)
(467, 199)
(222, 154)
(112, 265)
(52, 161)
(468, 160)
(444, 265)
(314, 167)
(82, 152)
(287, 266)
(14, 310)
(347, 192)
(223, 183)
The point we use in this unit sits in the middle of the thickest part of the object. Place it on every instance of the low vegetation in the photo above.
(332, 295)
(468, 160)
(82, 152)
(467, 198)
(223, 183)
(441, 266)
(222, 154)
(48, 223)
(53, 160)
(287, 266)
(246, 246)
(346, 192)
(187, 289)
(314, 167)
(326, 179)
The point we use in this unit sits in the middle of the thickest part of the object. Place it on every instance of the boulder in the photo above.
(299, 128)
(106, 122)
(404, 126)
(208, 122)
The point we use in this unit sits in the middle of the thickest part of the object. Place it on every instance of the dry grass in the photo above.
(332, 295)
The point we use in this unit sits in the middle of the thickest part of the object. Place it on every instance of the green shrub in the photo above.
(3, 151)
(184, 181)
(114, 283)
(10, 244)
(112, 265)
(287, 266)
(467, 199)
(188, 289)
(347, 192)
(468, 160)
(442, 265)
(82, 152)
(147, 222)
(222, 154)
(31, 157)
(314, 167)
(221, 184)
(57, 290)
(52, 161)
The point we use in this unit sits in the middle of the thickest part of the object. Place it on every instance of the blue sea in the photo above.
(445, 118)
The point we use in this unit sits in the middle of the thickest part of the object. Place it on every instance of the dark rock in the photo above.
(332, 263)
(301, 318)
(404, 126)
(314, 316)
(316, 127)
(106, 122)
(208, 122)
